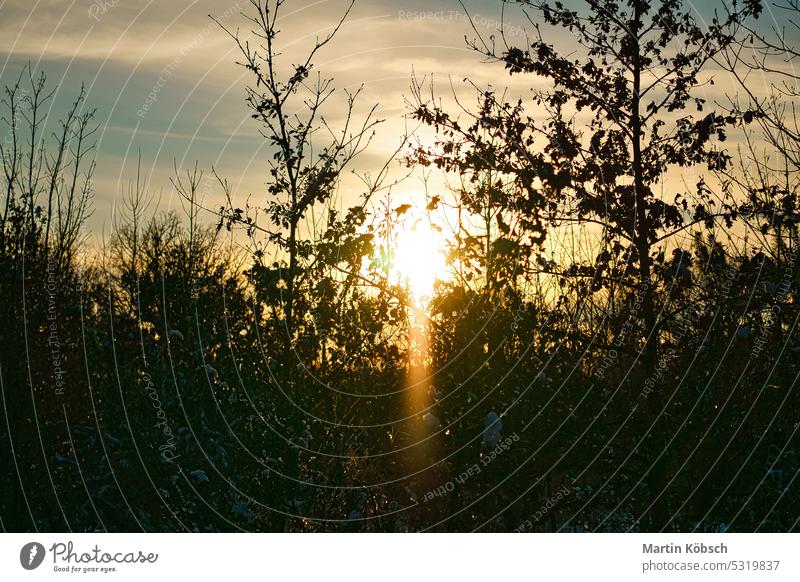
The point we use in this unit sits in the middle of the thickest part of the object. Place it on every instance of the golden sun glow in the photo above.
(418, 259)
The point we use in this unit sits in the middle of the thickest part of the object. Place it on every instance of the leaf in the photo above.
(504, 228)
(434, 203)
(402, 209)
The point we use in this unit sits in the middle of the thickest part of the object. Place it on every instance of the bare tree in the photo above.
(772, 54)
(60, 171)
(768, 174)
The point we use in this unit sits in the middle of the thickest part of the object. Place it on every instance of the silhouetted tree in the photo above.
(305, 168)
(597, 147)
(613, 128)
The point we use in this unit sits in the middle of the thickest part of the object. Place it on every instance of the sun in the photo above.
(418, 259)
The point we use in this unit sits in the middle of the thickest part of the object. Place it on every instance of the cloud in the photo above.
(164, 77)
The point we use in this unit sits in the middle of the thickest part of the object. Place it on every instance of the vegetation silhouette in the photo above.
(610, 351)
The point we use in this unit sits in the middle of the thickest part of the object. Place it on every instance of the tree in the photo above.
(60, 171)
(302, 172)
(47, 170)
(615, 124)
(770, 54)
(598, 147)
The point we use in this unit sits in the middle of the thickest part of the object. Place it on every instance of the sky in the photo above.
(164, 79)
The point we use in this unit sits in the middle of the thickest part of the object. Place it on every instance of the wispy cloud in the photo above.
(164, 77)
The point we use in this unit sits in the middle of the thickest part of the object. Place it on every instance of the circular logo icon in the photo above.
(31, 555)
